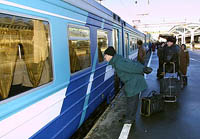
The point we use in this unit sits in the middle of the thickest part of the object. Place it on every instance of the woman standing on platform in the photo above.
(141, 52)
(184, 63)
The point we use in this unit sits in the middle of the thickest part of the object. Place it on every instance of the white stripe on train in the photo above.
(37, 10)
(30, 120)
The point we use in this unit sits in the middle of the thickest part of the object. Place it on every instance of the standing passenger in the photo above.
(160, 60)
(141, 52)
(171, 54)
(184, 62)
(131, 74)
(193, 45)
(153, 47)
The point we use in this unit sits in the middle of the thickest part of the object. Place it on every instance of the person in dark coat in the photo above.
(184, 62)
(160, 60)
(131, 74)
(141, 52)
(171, 54)
(153, 47)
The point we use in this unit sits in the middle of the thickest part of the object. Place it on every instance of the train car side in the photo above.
(64, 44)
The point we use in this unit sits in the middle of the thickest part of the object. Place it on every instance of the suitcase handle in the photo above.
(152, 92)
(174, 71)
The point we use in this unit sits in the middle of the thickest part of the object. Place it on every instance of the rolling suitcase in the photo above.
(170, 85)
(151, 104)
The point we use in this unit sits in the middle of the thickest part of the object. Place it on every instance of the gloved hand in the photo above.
(147, 70)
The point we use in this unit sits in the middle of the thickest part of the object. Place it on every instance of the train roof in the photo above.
(92, 7)
(95, 8)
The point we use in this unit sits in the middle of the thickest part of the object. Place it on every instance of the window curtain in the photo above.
(9, 40)
(74, 61)
(35, 46)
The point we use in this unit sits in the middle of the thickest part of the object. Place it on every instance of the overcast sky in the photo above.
(159, 11)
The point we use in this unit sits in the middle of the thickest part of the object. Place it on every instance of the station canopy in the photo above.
(186, 29)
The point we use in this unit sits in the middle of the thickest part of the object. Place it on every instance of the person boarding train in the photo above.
(131, 74)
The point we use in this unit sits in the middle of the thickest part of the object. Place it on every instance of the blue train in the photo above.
(52, 70)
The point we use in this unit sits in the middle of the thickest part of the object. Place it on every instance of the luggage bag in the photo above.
(151, 104)
(170, 85)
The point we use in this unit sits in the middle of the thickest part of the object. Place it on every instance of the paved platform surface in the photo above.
(180, 120)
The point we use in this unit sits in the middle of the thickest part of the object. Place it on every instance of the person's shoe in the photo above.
(127, 122)
(122, 118)
(185, 81)
(132, 122)
(147, 70)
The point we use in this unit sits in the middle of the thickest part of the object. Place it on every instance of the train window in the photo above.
(114, 16)
(25, 57)
(135, 43)
(131, 48)
(79, 48)
(119, 19)
(102, 40)
(115, 39)
(136, 46)
(126, 44)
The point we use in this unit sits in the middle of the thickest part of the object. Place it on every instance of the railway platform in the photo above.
(179, 120)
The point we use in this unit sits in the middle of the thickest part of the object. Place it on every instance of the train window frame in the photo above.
(126, 46)
(113, 37)
(73, 38)
(131, 46)
(135, 43)
(98, 45)
(50, 35)
(50, 55)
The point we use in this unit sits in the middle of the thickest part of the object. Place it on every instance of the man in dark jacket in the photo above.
(131, 74)
(160, 60)
(171, 54)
